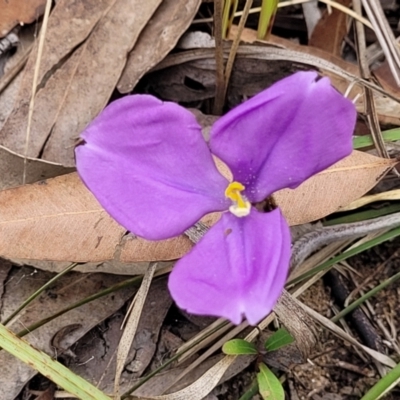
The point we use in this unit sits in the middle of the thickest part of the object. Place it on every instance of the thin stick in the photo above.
(35, 83)
(365, 73)
(219, 59)
(235, 45)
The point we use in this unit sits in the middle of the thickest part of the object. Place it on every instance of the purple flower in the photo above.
(147, 164)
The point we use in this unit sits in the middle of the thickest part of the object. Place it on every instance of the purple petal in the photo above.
(148, 165)
(238, 269)
(298, 127)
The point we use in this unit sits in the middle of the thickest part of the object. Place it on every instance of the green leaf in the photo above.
(236, 347)
(384, 385)
(268, 384)
(390, 135)
(279, 339)
(267, 16)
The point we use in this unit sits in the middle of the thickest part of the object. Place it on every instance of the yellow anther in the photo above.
(233, 192)
(241, 206)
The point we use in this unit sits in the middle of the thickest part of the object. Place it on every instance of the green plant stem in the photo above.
(38, 292)
(390, 135)
(384, 384)
(228, 14)
(266, 19)
(366, 296)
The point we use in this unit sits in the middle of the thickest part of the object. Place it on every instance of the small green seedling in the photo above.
(237, 347)
(280, 338)
(267, 384)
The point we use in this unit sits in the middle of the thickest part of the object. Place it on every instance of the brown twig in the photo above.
(219, 59)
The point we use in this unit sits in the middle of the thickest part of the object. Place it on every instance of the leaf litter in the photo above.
(57, 220)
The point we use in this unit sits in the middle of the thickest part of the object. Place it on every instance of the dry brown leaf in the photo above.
(14, 12)
(12, 166)
(385, 78)
(72, 20)
(72, 95)
(101, 370)
(97, 72)
(333, 188)
(60, 220)
(158, 38)
(77, 79)
(331, 30)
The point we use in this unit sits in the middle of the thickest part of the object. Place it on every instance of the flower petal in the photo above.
(238, 269)
(148, 165)
(279, 138)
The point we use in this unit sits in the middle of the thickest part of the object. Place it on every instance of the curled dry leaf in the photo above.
(131, 326)
(19, 12)
(297, 322)
(333, 188)
(158, 38)
(363, 201)
(59, 219)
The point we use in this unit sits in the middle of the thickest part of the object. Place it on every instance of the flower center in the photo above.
(240, 207)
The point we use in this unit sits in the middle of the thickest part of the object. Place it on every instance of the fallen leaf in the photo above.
(331, 30)
(12, 167)
(67, 328)
(60, 220)
(14, 12)
(101, 371)
(333, 188)
(72, 20)
(363, 201)
(157, 39)
(96, 73)
(77, 76)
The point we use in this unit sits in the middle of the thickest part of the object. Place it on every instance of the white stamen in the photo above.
(240, 211)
